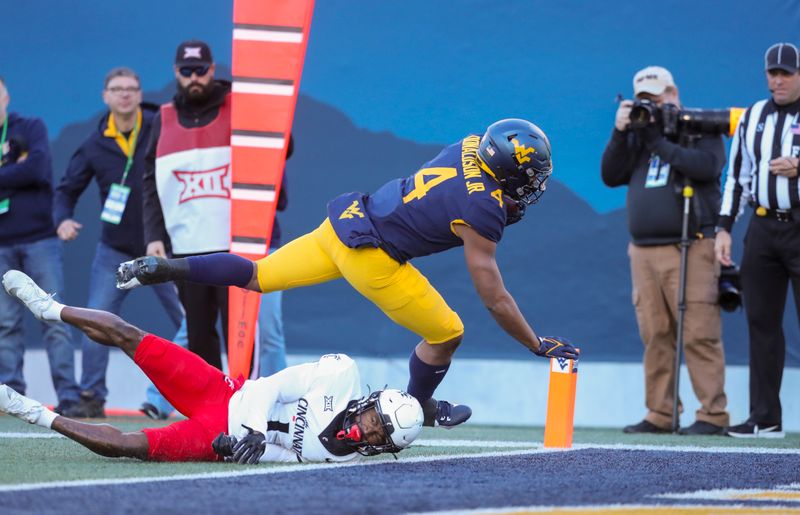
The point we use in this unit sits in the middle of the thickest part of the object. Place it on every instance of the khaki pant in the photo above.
(656, 275)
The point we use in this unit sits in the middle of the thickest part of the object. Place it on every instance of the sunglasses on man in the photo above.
(187, 71)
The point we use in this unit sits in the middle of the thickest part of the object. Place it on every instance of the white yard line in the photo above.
(515, 444)
(478, 443)
(31, 435)
(737, 494)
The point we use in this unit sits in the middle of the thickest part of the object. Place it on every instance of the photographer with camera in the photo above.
(765, 160)
(649, 152)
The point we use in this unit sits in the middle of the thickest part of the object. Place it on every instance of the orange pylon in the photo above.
(561, 403)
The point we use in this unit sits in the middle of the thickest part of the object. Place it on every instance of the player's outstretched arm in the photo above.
(221, 269)
(479, 253)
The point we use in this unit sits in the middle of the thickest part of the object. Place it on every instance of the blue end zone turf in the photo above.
(584, 478)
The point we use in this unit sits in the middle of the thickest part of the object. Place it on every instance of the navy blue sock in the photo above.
(221, 269)
(424, 378)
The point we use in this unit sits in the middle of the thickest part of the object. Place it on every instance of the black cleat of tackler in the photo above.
(143, 271)
(444, 414)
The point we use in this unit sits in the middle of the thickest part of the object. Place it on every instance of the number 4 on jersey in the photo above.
(434, 176)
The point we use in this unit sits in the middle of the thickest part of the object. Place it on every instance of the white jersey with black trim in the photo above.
(294, 406)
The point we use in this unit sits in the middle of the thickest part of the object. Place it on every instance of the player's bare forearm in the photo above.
(480, 257)
(104, 439)
(510, 319)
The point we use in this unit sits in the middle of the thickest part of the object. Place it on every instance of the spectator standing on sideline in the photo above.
(186, 195)
(28, 242)
(186, 204)
(113, 154)
(655, 168)
(764, 165)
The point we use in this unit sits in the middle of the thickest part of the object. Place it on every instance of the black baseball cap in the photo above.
(193, 53)
(782, 56)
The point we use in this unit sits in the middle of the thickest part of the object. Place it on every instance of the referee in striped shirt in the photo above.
(763, 173)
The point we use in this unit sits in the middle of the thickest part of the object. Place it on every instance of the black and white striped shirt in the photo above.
(765, 132)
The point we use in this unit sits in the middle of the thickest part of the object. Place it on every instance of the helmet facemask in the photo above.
(531, 192)
(392, 407)
(528, 183)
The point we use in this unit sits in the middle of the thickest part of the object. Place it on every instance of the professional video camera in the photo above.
(730, 288)
(674, 121)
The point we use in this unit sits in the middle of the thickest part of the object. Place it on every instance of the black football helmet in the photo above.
(517, 154)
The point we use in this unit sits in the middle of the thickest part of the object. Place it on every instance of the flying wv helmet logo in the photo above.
(521, 152)
(352, 211)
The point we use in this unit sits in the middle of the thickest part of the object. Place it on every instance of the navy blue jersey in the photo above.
(414, 216)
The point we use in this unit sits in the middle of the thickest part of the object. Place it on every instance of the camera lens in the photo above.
(729, 298)
(640, 116)
(730, 295)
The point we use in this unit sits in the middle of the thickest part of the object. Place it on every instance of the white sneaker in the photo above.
(18, 405)
(41, 304)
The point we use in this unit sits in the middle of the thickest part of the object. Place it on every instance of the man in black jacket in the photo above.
(191, 136)
(28, 242)
(655, 168)
(113, 155)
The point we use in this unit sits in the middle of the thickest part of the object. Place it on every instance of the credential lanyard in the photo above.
(3, 137)
(131, 152)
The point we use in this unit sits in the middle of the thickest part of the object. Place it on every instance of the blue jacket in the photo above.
(28, 184)
(101, 158)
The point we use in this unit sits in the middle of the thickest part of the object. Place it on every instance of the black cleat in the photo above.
(701, 427)
(443, 414)
(128, 273)
(149, 270)
(645, 426)
(70, 409)
(153, 412)
(752, 430)
(91, 406)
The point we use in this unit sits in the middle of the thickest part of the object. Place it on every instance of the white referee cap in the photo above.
(653, 80)
(782, 56)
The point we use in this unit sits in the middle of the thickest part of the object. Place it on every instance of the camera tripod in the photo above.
(687, 193)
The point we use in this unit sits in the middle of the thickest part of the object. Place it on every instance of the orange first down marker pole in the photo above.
(561, 403)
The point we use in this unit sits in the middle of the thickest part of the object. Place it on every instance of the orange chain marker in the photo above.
(561, 403)
(269, 47)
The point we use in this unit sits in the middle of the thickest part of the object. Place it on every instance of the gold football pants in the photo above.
(399, 290)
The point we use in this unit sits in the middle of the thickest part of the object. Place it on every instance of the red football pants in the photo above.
(196, 389)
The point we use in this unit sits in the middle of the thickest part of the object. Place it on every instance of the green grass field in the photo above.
(37, 460)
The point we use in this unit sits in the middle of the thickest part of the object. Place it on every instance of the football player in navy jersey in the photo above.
(465, 196)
